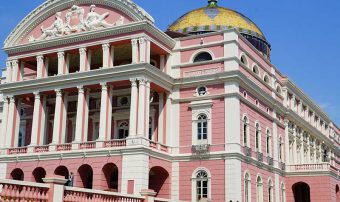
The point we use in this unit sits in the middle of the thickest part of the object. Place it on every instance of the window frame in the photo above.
(195, 179)
(198, 52)
(199, 108)
(258, 140)
(245, 131)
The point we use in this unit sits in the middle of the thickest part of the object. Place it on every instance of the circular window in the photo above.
(124, 101)
(202, 90)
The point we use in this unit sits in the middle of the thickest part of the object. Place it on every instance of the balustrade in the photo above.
(19, 150)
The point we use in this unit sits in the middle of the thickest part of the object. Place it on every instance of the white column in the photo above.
(40, 66)
(103, 124)
(44, 121)
(148, 51)
(162, 63)
(21, 70)
(67, 65)
(133, 108)
(106, 55)
(141, 108)
(160, 117)
(147, 108)
(109, 112)
(83, 59)
(61, 63)
(112, 56)
(58, 114)
(134, 44)
(8, 71)
(15, 70)
(142, 50)
(36, 130)
(4, 123)
(13, 122)
(80, 120)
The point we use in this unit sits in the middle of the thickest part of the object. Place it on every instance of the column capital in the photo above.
(37, 95)
(82, 51)
(134, 41)
(104, 86)
(15, 62)
(58, 92)
(81, 89)
(143, 81)
(8, 64)
(142, 40)
(106, 46)
(61, 54)
(11, 99)
(40, 58)
(133, 81)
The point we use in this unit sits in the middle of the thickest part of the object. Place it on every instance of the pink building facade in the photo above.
(93, 88)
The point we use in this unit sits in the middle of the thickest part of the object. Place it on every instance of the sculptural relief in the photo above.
(93, 21)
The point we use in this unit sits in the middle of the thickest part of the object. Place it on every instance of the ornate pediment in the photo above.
(57, 18)
(76, 21)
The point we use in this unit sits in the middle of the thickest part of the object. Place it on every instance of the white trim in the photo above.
(193, 183)
(198, 108)
(249, 185)
(197, 52)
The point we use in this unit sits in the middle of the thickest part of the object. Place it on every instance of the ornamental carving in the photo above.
(93, 21)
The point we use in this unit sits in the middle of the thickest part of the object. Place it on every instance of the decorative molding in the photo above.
(51, 7)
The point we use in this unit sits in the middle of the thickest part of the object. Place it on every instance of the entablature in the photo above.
(119, 73)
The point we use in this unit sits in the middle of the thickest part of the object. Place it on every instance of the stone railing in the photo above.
(54, 191)
(115, 143)
(72, 194)
(309, 167)
(19, 150)
(12, 191)
(87, 145)
(159, 146)
(64, 147)
(41, 149)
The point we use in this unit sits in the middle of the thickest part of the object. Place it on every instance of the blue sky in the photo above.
(304, 36)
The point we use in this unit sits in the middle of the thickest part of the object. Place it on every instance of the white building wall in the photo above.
(135, 167)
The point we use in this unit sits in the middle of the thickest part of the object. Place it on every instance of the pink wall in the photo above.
(322, 188)
(216, 168)
(206, 39)
(216, 50)
(165, 185)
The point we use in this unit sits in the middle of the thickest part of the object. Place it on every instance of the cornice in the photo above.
(90, 35)
(307, 100)
(73, 80)
(50, 7)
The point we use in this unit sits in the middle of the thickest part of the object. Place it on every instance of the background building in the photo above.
(198, 112)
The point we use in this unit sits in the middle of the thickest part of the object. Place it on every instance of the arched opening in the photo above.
(337, 192)
(244, 60)
(301, 192)
(110, 172)
(259, 189)
(256, 70)
(204, 56)
(38, 174)
(86, 175)
(62, 171)
(159, 181)
(17, 174)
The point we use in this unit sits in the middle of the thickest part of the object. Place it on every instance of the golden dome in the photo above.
(215, 18)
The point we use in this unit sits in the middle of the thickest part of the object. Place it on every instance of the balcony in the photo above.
(311, 168)
(247, 151)
(94, 146)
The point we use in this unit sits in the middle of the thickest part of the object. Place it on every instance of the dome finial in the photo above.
(212, 3)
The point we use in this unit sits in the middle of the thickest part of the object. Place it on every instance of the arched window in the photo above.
(270, 191)
(245, 131)
(247, 188)
(17, 174)
(278, 90)
(268, 143)
(259, 189)
(257, 137)
(202, 127)
(283, 193)
(266, 79)
(202, 185)
(256, 70)
(244, 60)
(203, 56)
(280, 149)
(123, 130)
